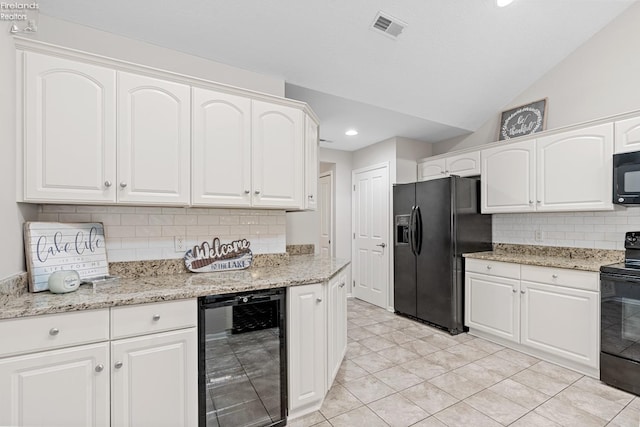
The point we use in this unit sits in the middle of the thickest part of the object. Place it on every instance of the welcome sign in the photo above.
(216, 256)
(54, 246)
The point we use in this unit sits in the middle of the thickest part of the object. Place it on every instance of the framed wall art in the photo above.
(523, 120)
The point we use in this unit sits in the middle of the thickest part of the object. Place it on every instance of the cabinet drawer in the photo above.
(579, 279)
(39, 333)
(145, 319)
(493, 268)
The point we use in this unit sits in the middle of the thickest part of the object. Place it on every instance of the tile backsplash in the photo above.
(146, 233)
(600, 230)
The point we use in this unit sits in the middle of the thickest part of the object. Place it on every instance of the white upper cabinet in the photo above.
(154, 138)
(627, 134)
(221, 164)
(278, 155)
(465, 164)
(508, 183)
(574, 170)
(69, 130)
(568, 171)
(311, 164)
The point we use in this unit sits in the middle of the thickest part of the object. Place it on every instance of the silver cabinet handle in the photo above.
(318, 299)
(247, 191)
(382, 245)
(156, 317)
(442, 172)
(488, 267)
(342, 285)
(107, 183)
(118, 365)
(54, 331)
(256, 192)
(311, 196)
(530, 202)
(538, 201)
(515, 291)
(99, 368)
(555, 276)
(123, 184)
(522, 292)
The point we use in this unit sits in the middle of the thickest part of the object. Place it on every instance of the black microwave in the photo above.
(626, 178)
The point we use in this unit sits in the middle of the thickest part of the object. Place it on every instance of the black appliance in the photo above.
(620, 319)
(242, 359)
(626, 178)
(435, 222)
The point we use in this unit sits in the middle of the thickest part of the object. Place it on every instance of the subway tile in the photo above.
(149, 231)
(161, 219)
(106, 218)
(121, 209)
(50, 217)
(134, 243)
(174, 211)
(134, 219)
(174, 230)
(185, 219)
(119, 231)
(74, 217)
(148, 210)
(195, 230)
(59, 208)
(229, 220)
(207, 219)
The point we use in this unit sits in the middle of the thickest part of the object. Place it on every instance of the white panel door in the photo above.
(508, 183)
(306, 335)
(69, 130)
(311, 164)
(431, 169)
(154, 140)
(278, 156)
(575, 170)
(154, 380)
(325, 208)
(371, 234)
(492, 305)
(59, 388)
(627, 135)
(561, 321)
(221, 159)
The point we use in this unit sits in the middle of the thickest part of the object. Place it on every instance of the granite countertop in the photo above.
(297, 270)
(551, 256)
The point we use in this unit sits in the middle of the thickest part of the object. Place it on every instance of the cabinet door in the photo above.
(561, 321)
(154, 380)
(627, 135)
(431, 169)
(59, 388)
(221, 174)
(508, 183)
(467, 164)
(69, 130)
(306, 325)
(154, 140)
(336, 325)
(278, 156)
(575, 170)
(311, 164)
(492, 305)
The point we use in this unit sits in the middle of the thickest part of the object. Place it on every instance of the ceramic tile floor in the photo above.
(398, 372)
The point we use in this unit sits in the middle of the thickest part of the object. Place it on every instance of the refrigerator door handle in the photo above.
(418, 221)
(412, 244)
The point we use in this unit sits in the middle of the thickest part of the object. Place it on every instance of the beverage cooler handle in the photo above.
(418, 221)
(411, 230)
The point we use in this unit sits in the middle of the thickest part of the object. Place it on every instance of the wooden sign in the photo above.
(219, 256)
(523, 120)
(54, 246)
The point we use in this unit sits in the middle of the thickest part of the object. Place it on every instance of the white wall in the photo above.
(147, 233)
(68, 34)
(601, 78)
(408, 151)
(12, 215)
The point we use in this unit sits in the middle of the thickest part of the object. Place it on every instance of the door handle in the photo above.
(382, 245)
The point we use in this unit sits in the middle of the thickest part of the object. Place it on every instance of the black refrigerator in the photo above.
(435, 222)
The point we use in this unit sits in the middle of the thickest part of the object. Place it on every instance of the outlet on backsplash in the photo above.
(178, 243)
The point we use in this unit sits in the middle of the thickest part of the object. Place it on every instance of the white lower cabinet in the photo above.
(552, 313)
(57, 388)
(146, 380)
(316, 340)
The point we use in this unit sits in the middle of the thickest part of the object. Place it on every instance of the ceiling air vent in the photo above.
(389, 25)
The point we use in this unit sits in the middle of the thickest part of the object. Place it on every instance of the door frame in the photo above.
(354, 263)
(332, 211)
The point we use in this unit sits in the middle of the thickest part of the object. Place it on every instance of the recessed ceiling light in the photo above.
(351, 132)
(503, 3)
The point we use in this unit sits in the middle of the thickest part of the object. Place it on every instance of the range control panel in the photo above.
(632, 240)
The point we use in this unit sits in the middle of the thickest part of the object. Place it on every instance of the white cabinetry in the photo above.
(627, 135)
(278, 155)
(551, 313)
(311, 164)
(221, 163)
(306, 325)
(465, 164)
(568, 171)
(154, 139)
(336, 325)
(91, 382)
(69, 130)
